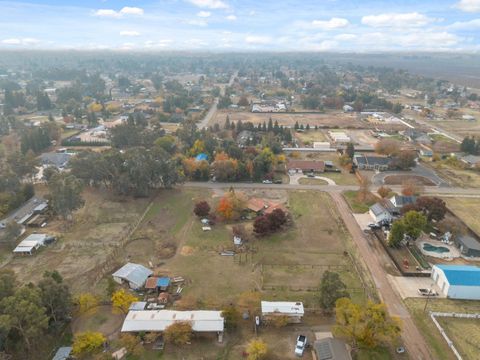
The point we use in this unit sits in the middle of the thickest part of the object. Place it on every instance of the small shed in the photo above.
(135, 275)
(468, 245)
(157, 283)
(32, 243)
(137, 306)
(63, 353)
(272, 309)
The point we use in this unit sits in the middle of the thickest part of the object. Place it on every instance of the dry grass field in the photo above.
(467, 210)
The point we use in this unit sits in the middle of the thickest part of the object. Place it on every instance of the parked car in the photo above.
(374, 226)
(427, 292)
(311, 175)
(267, 182)
(300, 345)
(278, 181)
(400, 350)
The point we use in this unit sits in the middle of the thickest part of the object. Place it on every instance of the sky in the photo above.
(242, 25)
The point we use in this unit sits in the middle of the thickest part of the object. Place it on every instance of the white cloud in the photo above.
(469, 5)
(231, 17)
(210, 4)
(129, 33)
(421, 40)
(158, 44)
(118, 14)
(345, 37)
(465, 25)
(204, 14)
(333, 23)
(258, 40)
(398, 20)
(17, 41)
(325, 45)
(197, 22)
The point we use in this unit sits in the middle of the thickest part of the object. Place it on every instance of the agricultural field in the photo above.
(307, 138)
(460, 127)
(467, 210)
(460, 332)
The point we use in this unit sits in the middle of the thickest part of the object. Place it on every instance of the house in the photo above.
(470, 160)
(135, 275)
(305, 166)
(63, 353)
(400, 201)
(32, 243)
(380, 213)
(256, 205)
(54, 159)
(339, 136)
(331, 349)
(202, 321)
(468, 245)
(364, 162)
(293, 310)
(458, 281)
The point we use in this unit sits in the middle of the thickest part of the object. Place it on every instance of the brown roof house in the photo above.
(305, 166)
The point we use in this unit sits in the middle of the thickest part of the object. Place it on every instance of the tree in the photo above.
(231, 205)
(397, 108)
(133, 344)
(411, 187)
(468, 145)
(56, 297)
(397, 233)
(8, 283)
(280, 321)
(415, 222)
(387, 147)
(12, 232)
(257, 349)
(250, 300)
(404, 160)
(232, 316)
(332, 288)
(86, 302)
(178, 333)
(384, 191)
(23, 313)
(65, 194)
(243, 101)
(262, 225)
(202, 209)
(87, 343)
(367, 326)
(433, 207)
(225, 208)
(122, 300)
(350, 150)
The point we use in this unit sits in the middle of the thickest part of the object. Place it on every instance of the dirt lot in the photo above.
(467, 210)
(456, 176)
(400, 179)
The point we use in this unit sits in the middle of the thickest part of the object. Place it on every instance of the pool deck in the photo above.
(452, 254)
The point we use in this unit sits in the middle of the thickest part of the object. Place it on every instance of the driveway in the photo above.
(419, 170)
(363, 220)
(295, 177)
(408, 287)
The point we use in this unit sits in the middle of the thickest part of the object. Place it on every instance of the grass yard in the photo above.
(456, 329)
(311, 136)
(358, 206)
(457, 176)
(437, 344)
(467, 210)
(312, 181)
(343, 178)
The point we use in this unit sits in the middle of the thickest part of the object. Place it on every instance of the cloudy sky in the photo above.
(232, 25)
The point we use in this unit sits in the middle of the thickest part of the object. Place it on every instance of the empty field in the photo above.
(467, 210)
(456, 329)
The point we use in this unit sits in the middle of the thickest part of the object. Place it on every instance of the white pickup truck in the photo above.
(301, 345)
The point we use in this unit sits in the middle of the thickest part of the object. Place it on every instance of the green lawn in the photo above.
(373, 354)
(357, 206)
(343, 178)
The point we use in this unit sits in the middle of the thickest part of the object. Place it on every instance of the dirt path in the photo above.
(413, 339)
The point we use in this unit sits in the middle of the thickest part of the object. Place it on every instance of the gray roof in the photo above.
(63, 353)
(402, 200)
(469, 242)
(331, 349)
(58, 160)
(471, 159)
(378, 209)
(135, 273)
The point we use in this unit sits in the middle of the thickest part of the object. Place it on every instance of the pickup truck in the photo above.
(300, 345)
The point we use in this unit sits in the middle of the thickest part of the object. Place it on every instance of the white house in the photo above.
(294, 310)
(379, 213)
(32, 243)
(134, 274)
(458, 281)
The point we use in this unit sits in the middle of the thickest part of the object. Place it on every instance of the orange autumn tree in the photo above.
(231, 205)
(224, 168)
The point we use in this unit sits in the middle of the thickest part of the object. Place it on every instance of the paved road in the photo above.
(213, 109)
(428, 190)
(419, 169)
(412, 338)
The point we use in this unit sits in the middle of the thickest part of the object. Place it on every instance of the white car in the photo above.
(2, 225)
(300, 345)
(267, 182)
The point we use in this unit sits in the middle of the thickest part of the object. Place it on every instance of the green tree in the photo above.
(332, 288)
(350, 151)
(11, 233)
(231, 316)
(65, 194)
(56, 297)
(397, 233)
(414, 222)
(8, 283)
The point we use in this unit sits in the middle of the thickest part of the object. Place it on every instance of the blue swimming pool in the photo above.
(437, 249)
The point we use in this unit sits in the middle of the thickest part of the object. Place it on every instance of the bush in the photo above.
(202, 209)
(178, 333)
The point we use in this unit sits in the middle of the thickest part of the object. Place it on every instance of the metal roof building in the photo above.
(458, 281)
(133, 274)
(159, 320)
(275, 308)
(31, 243)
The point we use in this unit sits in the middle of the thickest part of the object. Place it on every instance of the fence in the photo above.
(442, 331)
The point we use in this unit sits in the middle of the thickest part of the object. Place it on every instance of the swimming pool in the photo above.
(437, 249)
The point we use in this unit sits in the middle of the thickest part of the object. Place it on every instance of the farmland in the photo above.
(467, 210)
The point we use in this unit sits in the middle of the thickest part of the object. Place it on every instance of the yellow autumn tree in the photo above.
(87, 343)
(368, 326)
(95, 107)
(122, 300)
(257, 349)
(178, 333)
(87, 303)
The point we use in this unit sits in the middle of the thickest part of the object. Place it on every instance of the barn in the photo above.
(458, 281)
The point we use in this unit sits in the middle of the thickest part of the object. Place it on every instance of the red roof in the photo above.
(151, 282)
(306, 165)
(256, 204)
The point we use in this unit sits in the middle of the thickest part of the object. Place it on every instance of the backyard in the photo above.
(467, 210)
